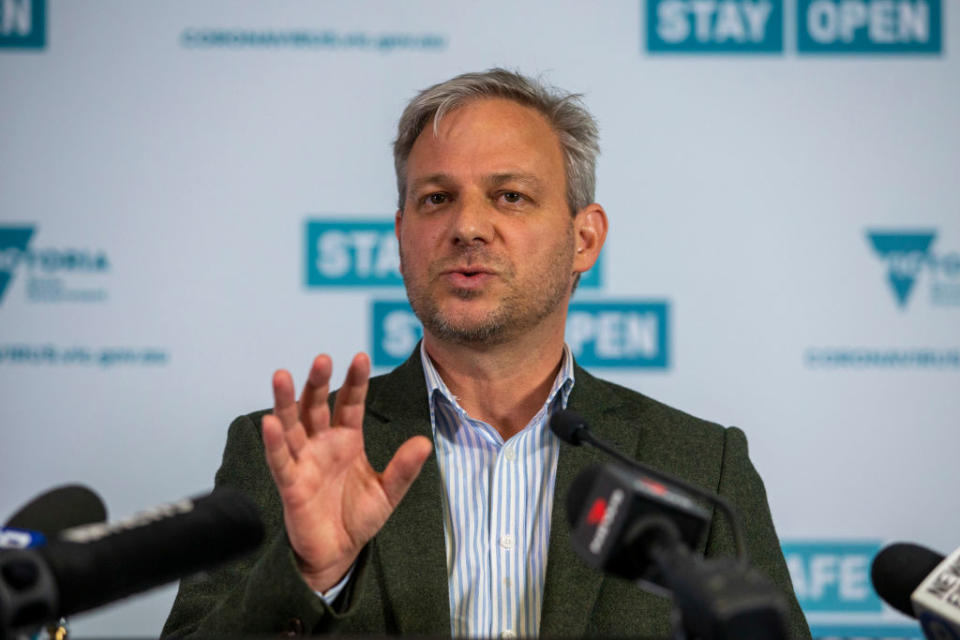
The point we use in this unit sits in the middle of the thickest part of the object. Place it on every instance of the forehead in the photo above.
(488, 136)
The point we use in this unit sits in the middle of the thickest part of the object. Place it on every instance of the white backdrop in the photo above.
(168, 163)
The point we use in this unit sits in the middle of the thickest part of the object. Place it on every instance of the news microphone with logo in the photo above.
(50, 513)
(617, 516)
(922, 584)
(572, 429)
(45, 517)
(97, 564)
(643, 528)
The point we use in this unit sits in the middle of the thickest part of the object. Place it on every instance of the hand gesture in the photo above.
(333, 500)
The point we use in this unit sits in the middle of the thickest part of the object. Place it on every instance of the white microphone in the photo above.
(936, 602)
(922, 584)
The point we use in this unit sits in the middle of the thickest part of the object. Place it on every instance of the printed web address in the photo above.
(47, 354)
(884, 358)
(240, 38)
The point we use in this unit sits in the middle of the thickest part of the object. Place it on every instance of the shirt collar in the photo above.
(437, 388)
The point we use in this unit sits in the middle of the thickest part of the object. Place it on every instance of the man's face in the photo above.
(486, 236)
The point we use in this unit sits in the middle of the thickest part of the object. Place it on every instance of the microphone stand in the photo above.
(717, 599)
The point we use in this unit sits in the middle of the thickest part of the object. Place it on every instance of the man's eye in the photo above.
(512, 197)
(437, 198)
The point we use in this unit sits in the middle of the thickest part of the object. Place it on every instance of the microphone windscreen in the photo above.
(59, 509)
(898, 570)
(568, 426)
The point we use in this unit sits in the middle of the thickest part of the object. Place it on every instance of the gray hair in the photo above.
(566, 113)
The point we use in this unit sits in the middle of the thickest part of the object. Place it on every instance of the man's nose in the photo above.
(472, 222)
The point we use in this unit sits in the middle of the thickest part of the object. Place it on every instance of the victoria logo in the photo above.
(910, 258)
(13, 244)
(905, 253)
(51, 274)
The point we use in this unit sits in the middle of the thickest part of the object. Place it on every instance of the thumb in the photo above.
(404, 468)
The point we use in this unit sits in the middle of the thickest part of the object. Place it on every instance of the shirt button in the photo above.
(508, 634)
(507, 541)
(507, 582)
(510, 455)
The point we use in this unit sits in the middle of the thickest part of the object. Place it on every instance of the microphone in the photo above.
(617, 517)
(50, 513)
(922, 584)
(96, 564)
(642, 526)
(572, 429)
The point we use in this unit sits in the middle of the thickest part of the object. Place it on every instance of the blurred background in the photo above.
(194, 194)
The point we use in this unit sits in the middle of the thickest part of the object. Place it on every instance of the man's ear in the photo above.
(590, 232)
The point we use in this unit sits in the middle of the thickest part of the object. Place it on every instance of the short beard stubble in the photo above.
(518, 310)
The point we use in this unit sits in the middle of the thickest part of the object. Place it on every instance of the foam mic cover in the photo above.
(569, 427)
(898, 570)
(59, 508)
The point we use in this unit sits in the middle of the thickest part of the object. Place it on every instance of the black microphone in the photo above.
(617, 517)
(922, 584)
(93, 565)
(643, 526)
(50, 513)
(572, 429)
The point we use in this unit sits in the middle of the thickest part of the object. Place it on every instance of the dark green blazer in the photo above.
(400, 581)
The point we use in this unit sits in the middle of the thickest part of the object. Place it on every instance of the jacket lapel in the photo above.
(411, 547)
(571, 587)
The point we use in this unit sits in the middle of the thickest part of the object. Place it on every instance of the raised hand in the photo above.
(333, 500)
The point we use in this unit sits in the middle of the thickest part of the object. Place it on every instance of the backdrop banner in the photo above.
(195, 194)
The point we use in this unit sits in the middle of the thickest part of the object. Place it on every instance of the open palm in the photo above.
(333, 500)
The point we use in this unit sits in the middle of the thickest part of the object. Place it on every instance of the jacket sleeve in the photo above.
(262, 593)
(742, 486)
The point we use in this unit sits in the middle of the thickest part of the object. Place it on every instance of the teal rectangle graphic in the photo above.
(23, 24)
(628, 334)
(364, 253)
(714, 26)
(394, 332)
(351, 253)
(618, 334)
(869, 26)
(833, 575)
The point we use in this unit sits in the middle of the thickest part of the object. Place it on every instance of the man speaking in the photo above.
(430, 500)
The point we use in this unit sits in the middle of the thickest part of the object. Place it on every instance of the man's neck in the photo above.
(503, 385)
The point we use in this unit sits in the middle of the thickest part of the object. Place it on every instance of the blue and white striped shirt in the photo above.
(497, 501)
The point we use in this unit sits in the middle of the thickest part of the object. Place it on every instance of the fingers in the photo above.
(285, 410)
(404, 468)
(284, 402)
(314, 410)
(278, 455)
(348, 408)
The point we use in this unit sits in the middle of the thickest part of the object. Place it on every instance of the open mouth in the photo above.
(469, 277)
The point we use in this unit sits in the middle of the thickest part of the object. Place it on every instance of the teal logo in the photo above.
(23, 24)
(394, 332)
(364, 253)
(52, 274)
(869, 26)
(714, 26)
(910, 258)
(832, 581)
(617, 334)
(13, 244)
(834, 575)
(352, 253)
(905, 253)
